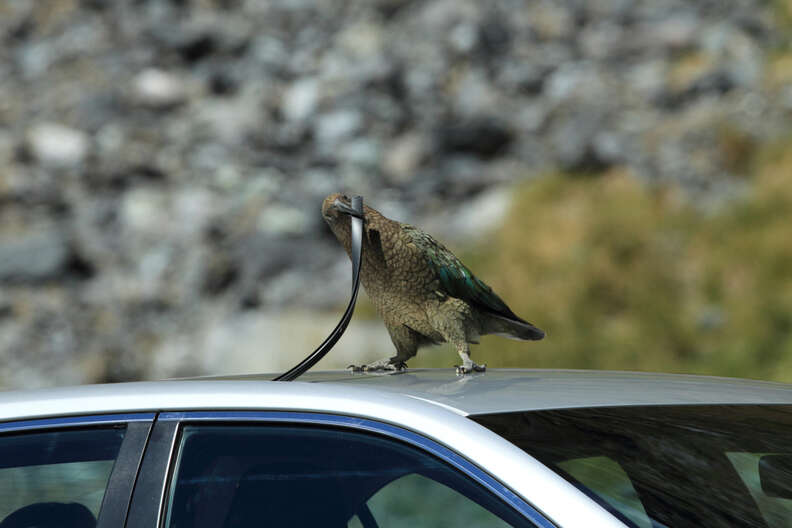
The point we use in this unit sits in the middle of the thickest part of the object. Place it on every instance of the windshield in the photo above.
(667, 466)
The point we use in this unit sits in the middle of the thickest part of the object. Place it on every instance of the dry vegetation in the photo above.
(626, 277)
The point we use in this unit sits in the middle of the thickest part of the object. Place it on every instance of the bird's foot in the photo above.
(379, 366)
(461, 370)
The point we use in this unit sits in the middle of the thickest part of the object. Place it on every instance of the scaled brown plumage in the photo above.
(424, 294)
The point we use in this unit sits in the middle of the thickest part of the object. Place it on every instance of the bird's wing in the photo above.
(455, 279)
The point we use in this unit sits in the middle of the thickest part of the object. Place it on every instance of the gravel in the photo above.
(163, 162)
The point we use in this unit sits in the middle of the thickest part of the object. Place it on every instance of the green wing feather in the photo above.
(456, 280)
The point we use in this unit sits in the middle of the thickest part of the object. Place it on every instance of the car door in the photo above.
(235, 469)
(72, 472)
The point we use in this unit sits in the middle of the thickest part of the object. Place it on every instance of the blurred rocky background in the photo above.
(620, 170)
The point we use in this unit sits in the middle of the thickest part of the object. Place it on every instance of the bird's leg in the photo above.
(467, 365)
(392, 363)
(406, 343)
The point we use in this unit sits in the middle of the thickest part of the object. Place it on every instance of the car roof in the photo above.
(512, 390)
(493, 391)
(399, 400)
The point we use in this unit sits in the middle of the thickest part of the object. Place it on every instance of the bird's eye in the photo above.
(345, 197)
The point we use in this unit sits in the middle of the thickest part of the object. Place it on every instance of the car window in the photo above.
(238, 475)
(672, 466)
(56, 478)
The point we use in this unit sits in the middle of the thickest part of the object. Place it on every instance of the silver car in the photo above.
(521, 448)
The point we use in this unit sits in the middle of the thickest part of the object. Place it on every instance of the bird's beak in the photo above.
(346, 209)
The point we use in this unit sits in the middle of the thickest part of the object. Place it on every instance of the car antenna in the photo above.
(356, 217)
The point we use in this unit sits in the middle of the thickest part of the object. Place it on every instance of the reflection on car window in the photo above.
(243, 475)
(55, 479)
(414, 500)
(605, 477)
(777, 511)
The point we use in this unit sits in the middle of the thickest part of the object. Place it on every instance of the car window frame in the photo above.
(149, 499)
(121, 481)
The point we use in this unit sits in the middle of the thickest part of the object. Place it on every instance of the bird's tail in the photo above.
(514, 328)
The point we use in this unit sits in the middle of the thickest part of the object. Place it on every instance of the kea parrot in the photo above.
(423, 292)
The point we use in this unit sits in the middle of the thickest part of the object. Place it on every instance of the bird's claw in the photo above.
(378, 367)
(461, 370)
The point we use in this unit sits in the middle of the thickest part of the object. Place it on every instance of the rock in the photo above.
(551, 20)
(57, 146)
(361, 41)
(201, 38)
(576, 81)
(523, 77)
(270, 52)
(335, 126)
(677, 31)
(197, 46)
(602, 40)
(614, 9)
(462, 177)
(362, 151)
(531, 117)
(694, 76)
(483, 137)
(609, 148)
(463, 38)
(37, 254)
(230, 119)
(158, 89)
(647, 79)
(145, 210)
(222, 84)
(220, 273)
(495, 36)
(479, 219)
(474, 95)
(301, 99)
(191, 211)
(403, 157)
(7, 148)
(572, 137)
(280, 220)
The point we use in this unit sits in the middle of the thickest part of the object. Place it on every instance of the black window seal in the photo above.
(147, 504)
(85, 420)
(118, 493)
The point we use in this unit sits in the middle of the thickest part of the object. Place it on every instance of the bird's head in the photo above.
(337, 208)
(337, 211)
